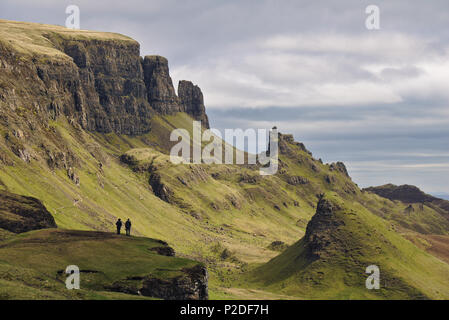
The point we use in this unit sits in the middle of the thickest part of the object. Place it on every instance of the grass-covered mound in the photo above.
(32, 265)
(340, 242)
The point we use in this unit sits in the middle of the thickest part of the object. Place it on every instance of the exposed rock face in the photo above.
(103, 90)
(278, 246)
(160, 90)
(73, 176)
(164, 251)
(160, 189)
(102, 85)
(192, 101)
(297, 180)
(320, 230)
(339, 166)
(21, 214)
(191, 286)
(285, 142)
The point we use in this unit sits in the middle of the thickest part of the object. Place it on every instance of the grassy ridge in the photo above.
(361, 239)
(214, 207)
(32, 264)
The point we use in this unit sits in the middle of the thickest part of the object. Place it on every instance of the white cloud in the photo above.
(322, 70)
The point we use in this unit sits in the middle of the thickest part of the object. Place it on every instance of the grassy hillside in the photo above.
(32, 264)
(330, 261)
(226, 216)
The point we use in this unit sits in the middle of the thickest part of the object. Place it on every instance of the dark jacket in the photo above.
(128, 224)
(118, 223)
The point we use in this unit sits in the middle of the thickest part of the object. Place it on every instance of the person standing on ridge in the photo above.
(128, 227)
(119, 225)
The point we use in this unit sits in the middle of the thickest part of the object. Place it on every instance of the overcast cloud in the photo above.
(377, 100)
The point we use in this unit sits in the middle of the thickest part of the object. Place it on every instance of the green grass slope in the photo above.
(343, 239)
(31, 39)
(32, 264)
(211, 208)
(226, 216)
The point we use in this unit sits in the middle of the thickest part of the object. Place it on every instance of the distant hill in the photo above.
(405, 193)
(416, 199)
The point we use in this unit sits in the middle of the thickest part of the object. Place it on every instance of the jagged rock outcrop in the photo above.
(159, 188)
(339, 166)
(98, 82)
(21, 214)
(192, 101)
(192, 285)
(285, 142)
(160, 90)
(297, 180)
(321, 228)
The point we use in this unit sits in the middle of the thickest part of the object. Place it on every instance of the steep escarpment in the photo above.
(98, 82)
(192, 101)
(160, 90)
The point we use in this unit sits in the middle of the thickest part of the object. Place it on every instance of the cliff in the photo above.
(192, 101)
(96, 80)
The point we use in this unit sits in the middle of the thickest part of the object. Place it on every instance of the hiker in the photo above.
(128, 227)
(119, 225)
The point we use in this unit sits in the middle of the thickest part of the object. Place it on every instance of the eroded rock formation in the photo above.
(192, 101)
(21, 214)
(102, 85)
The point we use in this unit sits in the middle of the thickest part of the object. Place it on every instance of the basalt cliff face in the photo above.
(101, 84)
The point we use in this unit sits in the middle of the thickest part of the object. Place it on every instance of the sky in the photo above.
(378, 100)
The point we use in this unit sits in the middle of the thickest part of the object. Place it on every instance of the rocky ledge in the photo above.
(21, 214)
(192, 284)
